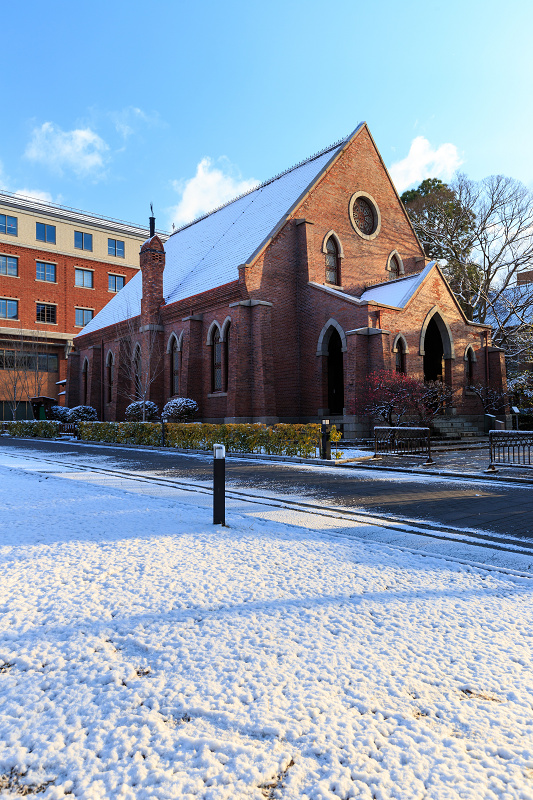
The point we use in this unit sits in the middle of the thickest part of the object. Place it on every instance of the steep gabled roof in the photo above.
(208, 252)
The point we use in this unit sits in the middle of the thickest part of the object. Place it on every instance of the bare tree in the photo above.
(24, 367)
(483, 234)
(141, 360)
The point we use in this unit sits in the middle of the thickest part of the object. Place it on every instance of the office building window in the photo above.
(45, 233)
(83, 316)
(9, 309)
(115, 248)
(9, 265)
(45, 272)
(83, 241)
(84, 277)
(116, 283)
(8, 225)
(46, 313)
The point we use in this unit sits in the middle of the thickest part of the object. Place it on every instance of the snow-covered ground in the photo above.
(145, 653)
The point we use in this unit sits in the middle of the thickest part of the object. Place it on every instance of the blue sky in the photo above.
(110, 105)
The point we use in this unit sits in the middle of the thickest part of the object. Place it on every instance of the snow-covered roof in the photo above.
(207, 252)
(397, 293)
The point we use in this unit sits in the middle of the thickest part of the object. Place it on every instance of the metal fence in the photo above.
(403, 441)
(510, 447)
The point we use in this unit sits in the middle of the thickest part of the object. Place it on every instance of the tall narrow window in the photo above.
(394, 267)
(137, 373)
(469, 367)
(216, 361)
(400, 356)
(175, 368)
(332, 262)
(226, 358)
(84, 382)
(109, 377)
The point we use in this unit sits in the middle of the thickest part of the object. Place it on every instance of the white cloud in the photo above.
(425, 162)
(36, 194)
(212, 186)
(80, 150)
(127, 120)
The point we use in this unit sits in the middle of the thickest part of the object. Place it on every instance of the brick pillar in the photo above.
(73, 380)
(239, 399)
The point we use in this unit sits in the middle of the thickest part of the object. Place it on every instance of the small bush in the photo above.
(134, 412)
(61, 413)
(179, 409)
(83, 413)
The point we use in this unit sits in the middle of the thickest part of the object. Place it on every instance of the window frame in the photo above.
(47, 229)
(8, 257)
(112, 248)
(111, 275)
(6, 230)
(85, 272)
(45, 264)
(8, 301)
(46, 306)
(336, 254)
(83, 246)
(83, 310)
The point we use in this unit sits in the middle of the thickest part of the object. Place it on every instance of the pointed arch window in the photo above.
(216, 362)
(400, 356)
(84, 381)
(226, 357)
(175, 366)
(332, 262)
(110, 377)
(469, 366)
(137, 374)
(394, 267)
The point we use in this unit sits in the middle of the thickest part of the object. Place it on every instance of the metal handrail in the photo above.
(513, 448)
(401, 441)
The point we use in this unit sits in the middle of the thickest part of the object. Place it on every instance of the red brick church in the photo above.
(276, 306)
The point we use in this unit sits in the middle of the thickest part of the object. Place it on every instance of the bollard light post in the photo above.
(325, 441)
(219, 484)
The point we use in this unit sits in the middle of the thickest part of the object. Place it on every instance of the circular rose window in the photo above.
(364, 215)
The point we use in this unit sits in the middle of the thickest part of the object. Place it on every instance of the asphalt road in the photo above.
(497, 507)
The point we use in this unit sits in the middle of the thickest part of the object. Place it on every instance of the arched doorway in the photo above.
(433, 353)
(335, 374)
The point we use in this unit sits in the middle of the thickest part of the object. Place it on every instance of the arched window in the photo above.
(400, 356)
(216, 362)
(109, 377)
(137, 373)
(84, 376)
(469, 366)
(332, 262)
(226, 357)
(394, 267)
(175, 364)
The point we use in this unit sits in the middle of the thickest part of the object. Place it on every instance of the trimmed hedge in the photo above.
(41, 428)
(289, 440)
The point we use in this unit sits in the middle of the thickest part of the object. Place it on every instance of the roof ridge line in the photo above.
(263, 184)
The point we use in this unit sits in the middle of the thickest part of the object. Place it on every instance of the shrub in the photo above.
(41, 428)
(61, 413)
(179, 409)
(81, 413)
(134, 412)
(291, 440)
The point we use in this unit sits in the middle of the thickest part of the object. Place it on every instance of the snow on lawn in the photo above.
(145, 653)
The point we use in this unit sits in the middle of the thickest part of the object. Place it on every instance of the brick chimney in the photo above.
(152, 265)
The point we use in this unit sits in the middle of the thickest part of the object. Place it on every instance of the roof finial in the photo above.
(152, 221)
